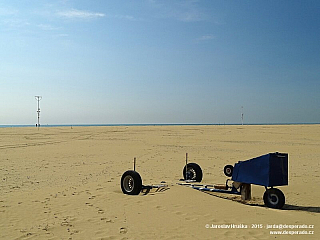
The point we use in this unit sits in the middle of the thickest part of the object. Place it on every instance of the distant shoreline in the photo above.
(153, 124)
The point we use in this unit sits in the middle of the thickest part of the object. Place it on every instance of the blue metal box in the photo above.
(268, 170)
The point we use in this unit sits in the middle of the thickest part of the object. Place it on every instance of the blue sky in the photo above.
(152, 61)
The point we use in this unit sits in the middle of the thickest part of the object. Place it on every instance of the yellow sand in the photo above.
(63, 183)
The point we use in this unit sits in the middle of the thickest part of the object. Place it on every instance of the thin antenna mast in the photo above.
(38, 98)
(241, 115)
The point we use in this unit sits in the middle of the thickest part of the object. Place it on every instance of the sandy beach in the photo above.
(64, 183)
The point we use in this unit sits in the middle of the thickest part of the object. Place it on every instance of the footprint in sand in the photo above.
(180, 213)
(191, 219)
(100, 211)
(161, 208)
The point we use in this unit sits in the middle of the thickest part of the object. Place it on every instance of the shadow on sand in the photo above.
(260, 203)
(301, 208)
(153, 189)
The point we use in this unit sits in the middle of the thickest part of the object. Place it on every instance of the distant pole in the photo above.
(38, 98)
(134, 164)
(241, 115)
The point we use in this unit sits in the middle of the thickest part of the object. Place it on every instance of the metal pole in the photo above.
(38, 98)
(134, 164)
(241, 115)
(186, 166)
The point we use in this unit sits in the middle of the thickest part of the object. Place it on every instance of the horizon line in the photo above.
(148, 124)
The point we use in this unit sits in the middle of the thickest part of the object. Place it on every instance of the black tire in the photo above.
(274, 198)
(192, 172)
(131, 183)
(228, 170)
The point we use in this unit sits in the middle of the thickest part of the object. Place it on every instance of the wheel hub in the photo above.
(128, 183)
(274, 199)
(191, 174)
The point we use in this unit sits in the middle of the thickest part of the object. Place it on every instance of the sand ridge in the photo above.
(63, 183)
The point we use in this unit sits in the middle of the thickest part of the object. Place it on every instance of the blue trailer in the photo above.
(268, 170)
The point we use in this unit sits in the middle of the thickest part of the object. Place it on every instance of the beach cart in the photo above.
(268, 170)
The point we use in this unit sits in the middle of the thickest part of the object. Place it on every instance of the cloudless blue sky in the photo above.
(153, 61)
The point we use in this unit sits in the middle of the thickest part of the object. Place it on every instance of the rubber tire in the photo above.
(137, 182)
(197, 170)
(274, 198)
(226, 168)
